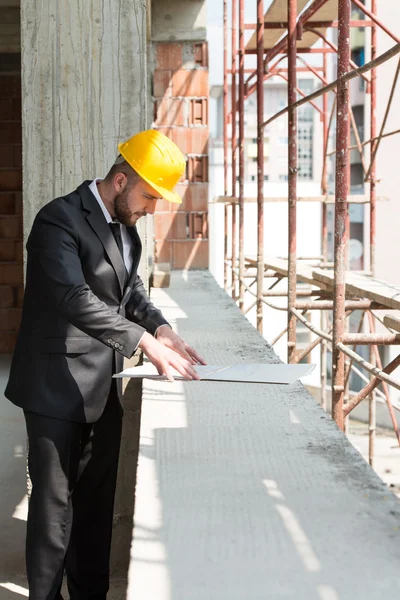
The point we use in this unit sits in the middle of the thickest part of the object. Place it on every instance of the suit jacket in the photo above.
(81, 315)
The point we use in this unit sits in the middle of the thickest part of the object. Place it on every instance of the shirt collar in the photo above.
(94, 189)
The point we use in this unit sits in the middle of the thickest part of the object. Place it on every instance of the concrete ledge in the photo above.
(160, 276)
(248, 491)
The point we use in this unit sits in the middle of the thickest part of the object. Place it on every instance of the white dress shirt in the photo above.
(126, 238)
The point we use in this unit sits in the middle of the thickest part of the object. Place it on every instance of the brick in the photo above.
(163, 206)
(162, 226)
(10, 86)
(10, 180)
(191, 140)
(170, 111)
(162, 84)
(198, 111)
(10, 133)
(179, 229)
(7, 204)
(19, 250)
(201, 54)
(7, 296)
(7, 342)
(11, 156)
(163, 252)
(198, 225)
(18, 203)
(193, 82)
(10, 319)
(7, 109)
(169, 55)
(20, 295)
(11, 273)
(190, 254)
(8, 250)
(194, 196)
(10, 227)
(197, 169)
(197, 197)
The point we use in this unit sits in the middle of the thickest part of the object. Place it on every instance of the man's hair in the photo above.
(121, 166)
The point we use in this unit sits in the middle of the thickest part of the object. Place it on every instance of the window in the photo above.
(305, 150)
(283, 177)
(266, 177)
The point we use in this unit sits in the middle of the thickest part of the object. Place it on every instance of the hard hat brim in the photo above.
(168, 195)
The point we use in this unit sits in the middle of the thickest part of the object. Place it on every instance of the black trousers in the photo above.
(73, 468)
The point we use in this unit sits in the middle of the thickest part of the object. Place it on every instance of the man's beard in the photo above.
(122, 210)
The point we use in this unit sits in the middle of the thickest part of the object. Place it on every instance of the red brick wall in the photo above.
(11, 259)
(180, 92)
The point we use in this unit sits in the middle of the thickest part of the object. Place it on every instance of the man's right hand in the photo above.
(164, 359)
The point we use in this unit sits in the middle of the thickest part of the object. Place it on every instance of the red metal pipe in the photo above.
(299, 50)
(304, 17)
(349, 75)
(322, 24)
(333, 46)
(241, 154)
(234, 146)
(371, 339)
(260, 162)
(372, 175)
(225, 119)
(292, 176)
(342, 190)
(355, 401)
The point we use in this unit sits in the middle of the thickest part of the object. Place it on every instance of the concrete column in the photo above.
(83, 91)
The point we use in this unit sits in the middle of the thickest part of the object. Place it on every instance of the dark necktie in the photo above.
(116, 231)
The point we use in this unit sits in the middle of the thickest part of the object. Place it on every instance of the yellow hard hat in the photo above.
(157, 160)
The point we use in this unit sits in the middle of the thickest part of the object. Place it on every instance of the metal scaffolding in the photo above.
(289, 30)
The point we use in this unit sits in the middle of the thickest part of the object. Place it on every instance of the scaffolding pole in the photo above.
(241, 154)
(234, 147)
(332, 296)
(260, 163)
(292, 175)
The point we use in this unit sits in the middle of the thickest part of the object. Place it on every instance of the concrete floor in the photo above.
(244, 491)
(249, 491)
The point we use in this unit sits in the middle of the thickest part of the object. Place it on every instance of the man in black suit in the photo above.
(85, 308)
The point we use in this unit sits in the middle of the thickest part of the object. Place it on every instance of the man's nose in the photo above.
(150, 210)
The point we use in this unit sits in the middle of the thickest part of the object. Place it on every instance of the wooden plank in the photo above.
(392, 321)
(364, 286)
(280, 265)
(276, 13)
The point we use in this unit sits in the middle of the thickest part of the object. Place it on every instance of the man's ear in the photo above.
(120, 181)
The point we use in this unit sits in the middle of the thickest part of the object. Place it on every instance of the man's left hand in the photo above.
(166, 336)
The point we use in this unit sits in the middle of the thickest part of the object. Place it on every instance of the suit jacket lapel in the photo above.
(137, 252)
(100, 226)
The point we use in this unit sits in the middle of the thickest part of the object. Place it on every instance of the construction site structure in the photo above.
(288, 31)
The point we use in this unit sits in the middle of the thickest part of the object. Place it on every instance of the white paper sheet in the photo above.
(254, 373)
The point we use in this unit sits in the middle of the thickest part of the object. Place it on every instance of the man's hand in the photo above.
(163, 358)
(168, 337)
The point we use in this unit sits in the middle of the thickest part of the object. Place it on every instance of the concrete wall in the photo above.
(174, 20)
(84, 90)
